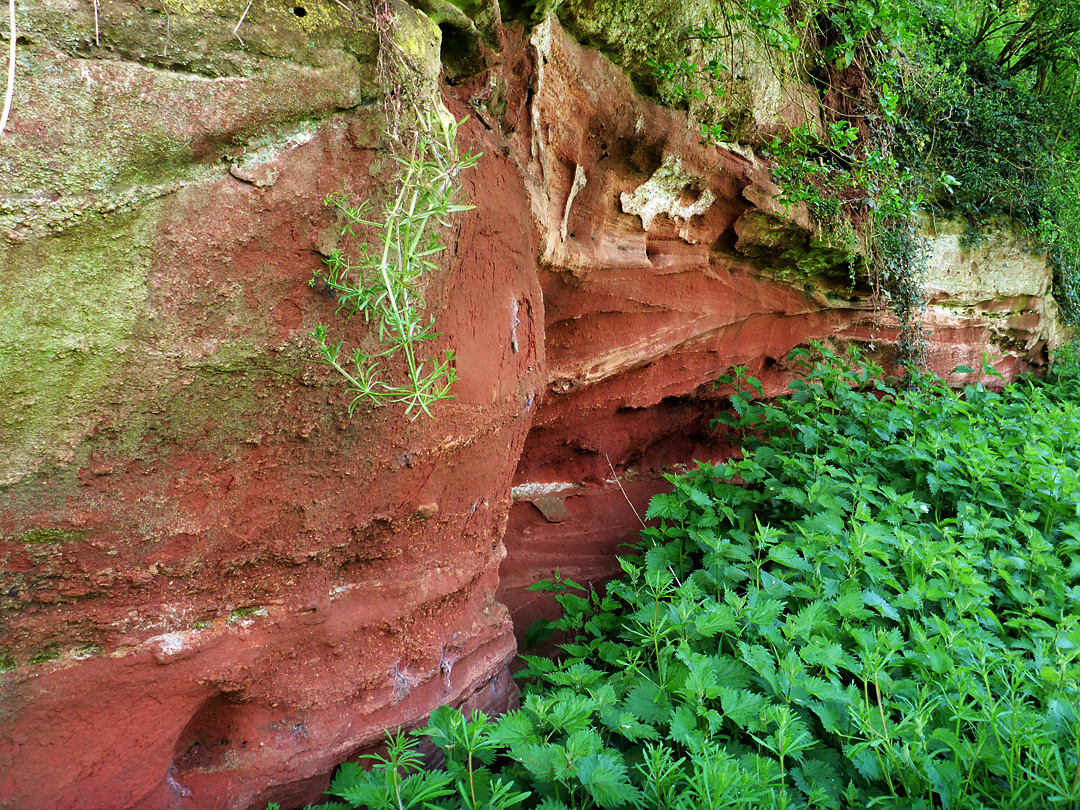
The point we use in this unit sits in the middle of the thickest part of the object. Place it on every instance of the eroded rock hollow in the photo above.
(216, 585)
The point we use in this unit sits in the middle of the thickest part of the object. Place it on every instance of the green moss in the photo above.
(117, 133)
(632, 31)
(47, 654)
(39, 536)
(7, 663)
(67, 311)
(240, 614)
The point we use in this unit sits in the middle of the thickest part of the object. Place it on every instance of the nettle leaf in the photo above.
(663, 505)
(355, 785)
(545, 761)
(827, 654)
(625, 724)
(825, 690)
(611, 652)
(577, 676)
(789, 556)
(648, 703)
(830, 715)
(760, 661)
(714, 620)
(743, 708)
(513, 728)
(849, 602)
(549, 803)
(730, 673)
(774, 586)
(874, 600)
(571, 712)
(811, 618)
(862, 757)
(764, 612)
(813, 774)
(684, 729)
(829, 524)
(582, 743)
(605, 778)
(946, 778)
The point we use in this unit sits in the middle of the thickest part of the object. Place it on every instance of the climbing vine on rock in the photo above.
(842, 168)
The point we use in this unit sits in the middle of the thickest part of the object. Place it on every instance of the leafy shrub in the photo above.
(876, 606)
(990, 142)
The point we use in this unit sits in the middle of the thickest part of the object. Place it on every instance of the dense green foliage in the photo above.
(969, 107)
(878, 605)
(991, 141)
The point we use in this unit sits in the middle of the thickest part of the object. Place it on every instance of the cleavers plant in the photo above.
(384, 282)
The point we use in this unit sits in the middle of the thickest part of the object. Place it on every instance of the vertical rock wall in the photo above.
(215, 585)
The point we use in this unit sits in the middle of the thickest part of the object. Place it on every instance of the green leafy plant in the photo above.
(845, 172)
(992, 137)
(968, 108)
(384, 283)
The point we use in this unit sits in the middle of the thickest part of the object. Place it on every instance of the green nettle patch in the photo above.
(876, 606)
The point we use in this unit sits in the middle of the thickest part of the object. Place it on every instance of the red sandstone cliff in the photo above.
(215, 586)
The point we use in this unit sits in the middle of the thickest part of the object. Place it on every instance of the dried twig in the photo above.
(11, 71)
(623, 491)
(97, 28)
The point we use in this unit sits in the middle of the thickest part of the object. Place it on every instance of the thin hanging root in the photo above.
(11, 71)
(241, 22)
(623, 491)
(97, 28)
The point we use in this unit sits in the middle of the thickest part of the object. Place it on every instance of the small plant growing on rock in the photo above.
(384, 283)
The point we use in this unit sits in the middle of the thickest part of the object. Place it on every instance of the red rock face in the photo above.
(215, 585)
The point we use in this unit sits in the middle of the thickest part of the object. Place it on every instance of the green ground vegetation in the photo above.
(877, 605)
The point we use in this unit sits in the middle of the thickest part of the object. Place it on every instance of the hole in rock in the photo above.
(207, 737)
(299, 11)
(725, 242)
(458, 51)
